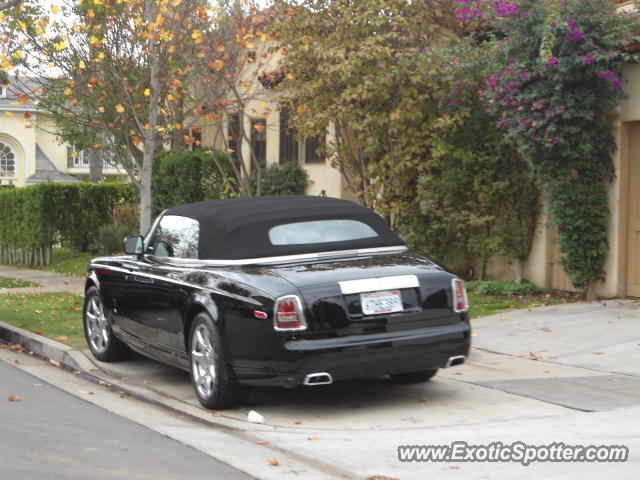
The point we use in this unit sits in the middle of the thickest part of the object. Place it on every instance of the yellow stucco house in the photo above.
(29, 150)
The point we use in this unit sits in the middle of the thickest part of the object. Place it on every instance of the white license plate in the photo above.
(387, 301)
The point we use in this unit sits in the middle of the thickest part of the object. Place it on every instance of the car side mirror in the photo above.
(133, 245)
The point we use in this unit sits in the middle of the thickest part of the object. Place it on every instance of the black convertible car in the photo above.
(276, 291)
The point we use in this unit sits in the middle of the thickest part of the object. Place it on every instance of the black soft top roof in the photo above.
(238, 228)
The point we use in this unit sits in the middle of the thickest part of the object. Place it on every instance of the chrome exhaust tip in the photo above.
(321, 378)
(455, 360)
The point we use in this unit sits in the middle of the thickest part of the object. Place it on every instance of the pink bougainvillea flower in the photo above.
(552, 61)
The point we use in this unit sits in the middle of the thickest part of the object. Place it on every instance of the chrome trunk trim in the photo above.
(379, 283)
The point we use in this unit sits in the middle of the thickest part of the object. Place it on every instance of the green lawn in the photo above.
(64, 262)
(54, 315)
(6, 282)
(483, 305)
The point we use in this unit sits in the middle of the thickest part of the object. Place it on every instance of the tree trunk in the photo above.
(95, 166)
(150, 137)
(483, 269)
(145, 199)
(518, 268)
(591, 292)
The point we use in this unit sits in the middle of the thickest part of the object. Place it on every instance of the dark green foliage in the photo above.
(184, 176)
(37, 217)
(477, 201)
(110, 238)
(125, 223)
(288, 179)
(484, 287)
(580, 211)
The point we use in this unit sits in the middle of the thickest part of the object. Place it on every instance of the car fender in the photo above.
(92, 280)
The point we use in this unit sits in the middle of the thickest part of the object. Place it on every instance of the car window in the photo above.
(175, 236)
(320, 231)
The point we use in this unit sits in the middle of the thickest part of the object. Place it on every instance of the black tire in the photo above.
(104, 345)
(212, 376)
(413, 377)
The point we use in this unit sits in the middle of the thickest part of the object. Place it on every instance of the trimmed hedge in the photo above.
(34, 218)
(185, 176)
(487, 287)
(287, 179)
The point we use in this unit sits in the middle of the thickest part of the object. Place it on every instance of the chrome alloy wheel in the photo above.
(203, 361)
(97, 325)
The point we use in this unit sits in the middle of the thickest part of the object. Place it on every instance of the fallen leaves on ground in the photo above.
(381, 477)
(55, 363)
(262, 442)
(273, 462)
(598, 353)
(312, 437)
(14, 398)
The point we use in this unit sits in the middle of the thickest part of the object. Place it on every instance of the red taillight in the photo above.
(288, 314)
(460, 302)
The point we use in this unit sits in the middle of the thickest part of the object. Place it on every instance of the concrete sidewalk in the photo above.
(602, 336)
(558, 373)
(48, 281)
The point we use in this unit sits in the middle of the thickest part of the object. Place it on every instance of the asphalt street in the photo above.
(49, 434)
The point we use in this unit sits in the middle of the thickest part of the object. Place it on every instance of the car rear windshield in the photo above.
(320, 231)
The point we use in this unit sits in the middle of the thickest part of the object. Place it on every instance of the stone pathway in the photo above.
(48, 281)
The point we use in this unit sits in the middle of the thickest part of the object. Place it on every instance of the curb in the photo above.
(45, 347)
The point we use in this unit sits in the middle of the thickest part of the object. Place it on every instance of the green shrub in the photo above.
(486, 287)
(477, 200)
(127, 214)
(110, 238)
(287, 179)
(185, 176)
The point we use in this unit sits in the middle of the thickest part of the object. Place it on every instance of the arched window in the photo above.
(7, 161)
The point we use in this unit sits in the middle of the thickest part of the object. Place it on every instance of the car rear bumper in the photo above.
(358, 356)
